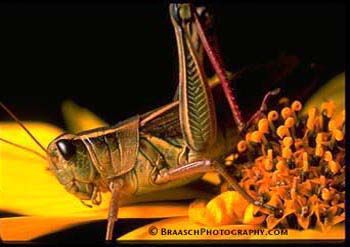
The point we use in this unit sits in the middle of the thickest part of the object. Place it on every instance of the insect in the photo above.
(168, 147)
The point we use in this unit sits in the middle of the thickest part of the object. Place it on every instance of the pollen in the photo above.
(268, 165)
(296, 106)
(288, 141)
(282, 131)
(311, 118)
(328, 107)
(326, 194)
(242, 146)
(263, 125)
(289, 122)
(256, 136)
(332, 125)
(338, 135)
(287, 153)
(328, 156)
(319, 151)
(286, 112)
(280, 166)
(333, 166)
(305, 162)
(272, 116)
(319, 138)
(248, 137)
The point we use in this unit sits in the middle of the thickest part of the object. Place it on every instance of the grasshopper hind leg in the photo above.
(196, 105)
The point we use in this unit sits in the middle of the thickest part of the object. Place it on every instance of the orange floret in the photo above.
(282, 131)
(296, 106)
(289, 122)
(263, 125)
(241, 146)
(272, 116)
(286, 112)
(298, 167)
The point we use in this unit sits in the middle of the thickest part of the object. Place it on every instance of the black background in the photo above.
(121, 59)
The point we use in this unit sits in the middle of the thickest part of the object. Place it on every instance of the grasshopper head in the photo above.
(70, 162)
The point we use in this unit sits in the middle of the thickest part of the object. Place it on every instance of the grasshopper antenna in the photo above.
(23, 127)
(23, 147)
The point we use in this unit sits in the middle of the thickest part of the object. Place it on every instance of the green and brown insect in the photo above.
(168, 147)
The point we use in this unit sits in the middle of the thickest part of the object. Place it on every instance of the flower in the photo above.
(298, 174)
(305, 185)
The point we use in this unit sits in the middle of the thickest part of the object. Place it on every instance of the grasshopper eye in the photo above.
(66, 148)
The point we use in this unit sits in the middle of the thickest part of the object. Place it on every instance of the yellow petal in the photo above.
(250, 218)
(332, 90)
(27, 187)
(227, 208)
(160, 231)
(197, 212)
(21, 228)
(234, 203)
(11, 131)
(214, 80)
(78, 118)
(212, 177)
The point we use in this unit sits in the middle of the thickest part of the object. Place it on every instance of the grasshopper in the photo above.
(165, 148)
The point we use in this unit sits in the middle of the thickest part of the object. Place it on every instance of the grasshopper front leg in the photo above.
(115, 187)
